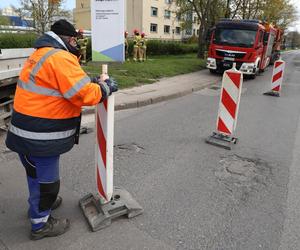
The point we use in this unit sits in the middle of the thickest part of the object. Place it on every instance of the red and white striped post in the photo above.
(110, 202)
(228, 108)
(277, 78)
(229, 101)
(104, 146)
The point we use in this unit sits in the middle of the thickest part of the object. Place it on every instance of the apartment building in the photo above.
(156, 18)
(82, 14)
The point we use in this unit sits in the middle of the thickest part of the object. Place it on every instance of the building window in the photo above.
(168, 1)
(194, 32)
(178, 30)
(167, 14)
(154, 11)
(167, 29)
(188, 32)
(153, 27)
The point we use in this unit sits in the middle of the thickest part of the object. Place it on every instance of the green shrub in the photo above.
(192, 39)
(158, 47)
(11, 40)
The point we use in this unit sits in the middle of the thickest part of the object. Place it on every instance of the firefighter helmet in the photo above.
(136, 32)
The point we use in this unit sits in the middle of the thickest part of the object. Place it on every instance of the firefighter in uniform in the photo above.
(143, 48)
(82, 43)
(126, 45)
(136, 45)
(45, 121)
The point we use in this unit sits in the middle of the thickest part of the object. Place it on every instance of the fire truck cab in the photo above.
(248, 43)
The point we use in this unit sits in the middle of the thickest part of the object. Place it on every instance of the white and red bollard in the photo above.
(277, 78)
(105, 145)
(110, 202)
(228, 109)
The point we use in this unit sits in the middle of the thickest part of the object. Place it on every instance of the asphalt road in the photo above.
(195, 195)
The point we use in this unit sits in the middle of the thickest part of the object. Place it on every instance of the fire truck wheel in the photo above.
(252, 76)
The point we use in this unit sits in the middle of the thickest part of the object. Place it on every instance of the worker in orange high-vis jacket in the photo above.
(45, 121)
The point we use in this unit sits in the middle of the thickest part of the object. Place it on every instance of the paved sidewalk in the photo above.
(164, 89)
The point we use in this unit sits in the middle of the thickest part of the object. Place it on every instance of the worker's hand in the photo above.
(96, 79)
(112, 84)
(99, 79)
(107, 88)
(103, 77)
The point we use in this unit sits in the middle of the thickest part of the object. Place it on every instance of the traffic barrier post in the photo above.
(277, 78)
(110, 202)
(228, 109)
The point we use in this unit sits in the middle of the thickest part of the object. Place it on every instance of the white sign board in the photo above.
(108, 18)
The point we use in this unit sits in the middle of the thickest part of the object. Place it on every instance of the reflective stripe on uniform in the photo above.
(39, 220)
(32, 87)
(40, 63)
(77, 87)
(41, 136)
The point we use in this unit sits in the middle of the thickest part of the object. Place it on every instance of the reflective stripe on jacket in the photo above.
(50, 92)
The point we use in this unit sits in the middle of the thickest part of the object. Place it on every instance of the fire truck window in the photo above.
(235, 37)
(261, 35)
(266, 38)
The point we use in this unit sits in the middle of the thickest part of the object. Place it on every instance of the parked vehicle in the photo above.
(251, 44)
(11, 63)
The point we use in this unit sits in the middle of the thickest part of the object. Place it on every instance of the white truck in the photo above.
(11, 63)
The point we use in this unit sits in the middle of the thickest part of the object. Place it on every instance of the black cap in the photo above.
(64, 28)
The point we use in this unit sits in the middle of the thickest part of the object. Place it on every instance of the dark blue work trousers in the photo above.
(43, 184)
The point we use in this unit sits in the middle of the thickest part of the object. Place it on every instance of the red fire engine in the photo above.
(251, 44)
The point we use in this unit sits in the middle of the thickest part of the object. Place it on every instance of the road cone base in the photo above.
(221, 140)
(272, 93)
(100, 215)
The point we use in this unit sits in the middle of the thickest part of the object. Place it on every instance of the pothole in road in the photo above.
(242, 175)
(213, 90)
(215, 87)
(297, 63)
(130, 147)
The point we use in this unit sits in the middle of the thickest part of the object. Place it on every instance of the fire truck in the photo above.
(251, 44)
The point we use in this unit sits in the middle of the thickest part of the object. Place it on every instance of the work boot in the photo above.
(55, 205)
(52, 228)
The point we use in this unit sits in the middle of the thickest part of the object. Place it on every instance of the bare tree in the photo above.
(279, 12)
(207, 11)
(43, 12)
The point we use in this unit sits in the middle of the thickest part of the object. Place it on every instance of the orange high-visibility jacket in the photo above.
(50, 92)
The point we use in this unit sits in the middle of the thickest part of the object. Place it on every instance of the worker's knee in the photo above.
(48, 194)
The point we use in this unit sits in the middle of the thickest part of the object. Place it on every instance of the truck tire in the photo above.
(252, 76)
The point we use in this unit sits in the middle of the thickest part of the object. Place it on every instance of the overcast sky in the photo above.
(296, 25)
(70, 4)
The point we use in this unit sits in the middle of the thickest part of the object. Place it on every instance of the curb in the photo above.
(151, 100)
